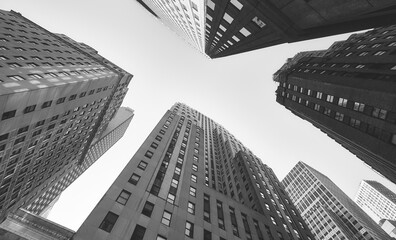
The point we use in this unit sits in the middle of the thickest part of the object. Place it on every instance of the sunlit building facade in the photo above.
(192, 179)
(223, 28)
(327, 210)
(56, 98)
(377, 200)
(349, 94)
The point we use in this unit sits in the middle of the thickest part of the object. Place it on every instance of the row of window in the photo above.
(342, 102)
(356, 123)
(46, 104)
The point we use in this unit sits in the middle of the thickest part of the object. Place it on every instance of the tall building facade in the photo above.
(192, 179)
(377, 200)
(56, 98)
(349, 94)
(223, 28)
(328, 211)
(114, 131)
(23, 225)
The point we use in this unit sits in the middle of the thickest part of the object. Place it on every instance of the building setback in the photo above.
(114, 131)
(191, 179)
(349, 94)
(327, 210)
(223, 28)
(56, 97)
(377, 200)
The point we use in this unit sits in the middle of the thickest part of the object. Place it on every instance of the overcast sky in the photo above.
(236, 91)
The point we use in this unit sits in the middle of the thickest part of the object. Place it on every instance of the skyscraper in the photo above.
(349, 94)
(114, 131)
(23, 225)
(56, 98)
(192, 179)
(328, 211)
(223, 28)
(377, 200)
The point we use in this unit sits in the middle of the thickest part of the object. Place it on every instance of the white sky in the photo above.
(237, 92)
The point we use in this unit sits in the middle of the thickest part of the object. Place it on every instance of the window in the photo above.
(158, 138)
(228, 18)
(379, 113)
(354, 123)
(358, 107)
(189, 230)
(193, 191)
(319, 95)
(317, 107)
(3, 137)
(72, 97)
(149, 154)
(159, 237)
(259, 23)
(23, 129)
(379, 53)
(194, 167)
(134, 179)
(211, 5)
(193, 178)
(339, 116)
(35, 76)
(237, 4)
(19, 140)
(148, 209)
(108, 222)
(191, 208)
(393, 140)
(142, 165)
(123, 197)
(9, 114)
(330, 98)
(154, 145)
(245, 32)
(138, 233)
(207, 235)
(342, 102)
(166, 218)
(171, 198)
(16, 78)
(46, 104)
(273, 220)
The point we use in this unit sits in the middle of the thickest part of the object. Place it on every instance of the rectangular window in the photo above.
(142, 165)
(23, 129)
(16, 78)
(148, 209)
(149, 154)
(154, 145)
(206, 208)
(123, 197)
(108, 222)
(134, 179)
(189, 230)
(138, 233)
(358, 107)
(46, 104)
(171, 198)
(166, 218)
(194, 167)
(9, 114)
(207, 235)
(193, 191)
(193, 178)
(191, 208)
